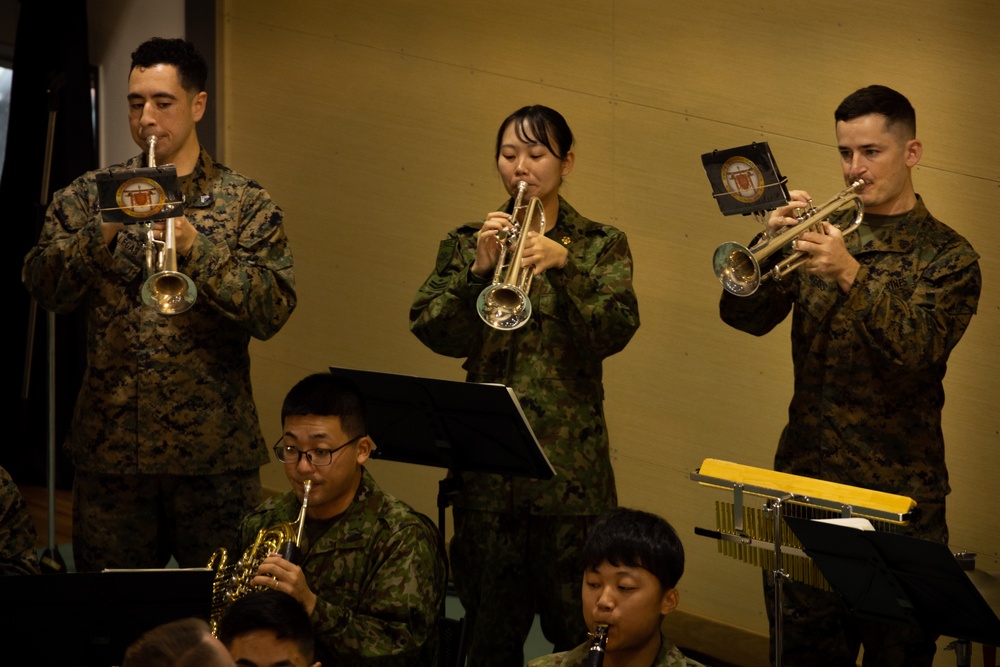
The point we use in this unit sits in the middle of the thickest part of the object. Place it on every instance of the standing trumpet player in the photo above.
(165, 436)
(517, 541)
(372, 571)
(874, 318)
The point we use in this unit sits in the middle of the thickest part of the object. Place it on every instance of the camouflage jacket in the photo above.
(582, 313)
(669, 656)
(168, 394)
(17, 531)
(378, 573)
(869, 364)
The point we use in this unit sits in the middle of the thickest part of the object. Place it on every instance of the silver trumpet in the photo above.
(738, 267)
(166, 290)
(504, 304)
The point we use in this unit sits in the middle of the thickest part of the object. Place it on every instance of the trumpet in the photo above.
(166, 290)
(595, 658)
(738, 267)
(504, 304)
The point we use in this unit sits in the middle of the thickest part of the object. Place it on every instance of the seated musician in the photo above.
(17, 531)
(266, 629)
(181, 643)
(632, 561)
(372, 571)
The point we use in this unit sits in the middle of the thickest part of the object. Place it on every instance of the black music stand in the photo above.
(899, 579)
(88, 619)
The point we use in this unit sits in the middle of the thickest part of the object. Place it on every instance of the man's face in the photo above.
(159, 105)
(333, 485)
(883, 158)
(631, 601)
(262, 648)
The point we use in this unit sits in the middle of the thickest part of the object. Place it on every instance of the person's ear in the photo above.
(365, 447)
(669, 601)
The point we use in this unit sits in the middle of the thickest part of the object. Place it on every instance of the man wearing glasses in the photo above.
(372, 574)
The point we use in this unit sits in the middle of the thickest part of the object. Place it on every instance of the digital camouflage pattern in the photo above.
(378, 573)
(669, 656)
(168, 394)
(582, 313)
(17, 531)
(869, 364)
(866, 410)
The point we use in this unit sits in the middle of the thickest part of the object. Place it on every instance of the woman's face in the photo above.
(532, 162)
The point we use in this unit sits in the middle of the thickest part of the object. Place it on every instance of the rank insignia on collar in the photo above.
(566, 240)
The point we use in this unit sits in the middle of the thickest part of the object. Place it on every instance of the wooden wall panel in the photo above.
(372, 124)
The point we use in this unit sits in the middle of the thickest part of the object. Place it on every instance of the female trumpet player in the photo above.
(517, 541)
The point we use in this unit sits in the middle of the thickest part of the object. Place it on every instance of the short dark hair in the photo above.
(328, 395)
(191, 67)
(881, 100)
(269, 610)
(537, 123)
(181, 643)
(633, 538)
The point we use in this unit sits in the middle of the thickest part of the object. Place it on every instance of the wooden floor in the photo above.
(38, 506)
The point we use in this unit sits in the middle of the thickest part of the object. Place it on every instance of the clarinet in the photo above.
(596, 656)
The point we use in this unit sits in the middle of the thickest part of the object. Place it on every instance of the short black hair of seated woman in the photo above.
(633, 538)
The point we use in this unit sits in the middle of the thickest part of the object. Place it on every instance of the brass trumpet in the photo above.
(166, 290)
(738, 267)
(504, 304)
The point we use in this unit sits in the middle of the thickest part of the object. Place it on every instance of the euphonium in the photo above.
(596, 656)
(738, 267)
(505, 304)
(166, 290)
(232, 581)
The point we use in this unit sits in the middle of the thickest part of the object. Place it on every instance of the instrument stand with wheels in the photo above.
(458, 426)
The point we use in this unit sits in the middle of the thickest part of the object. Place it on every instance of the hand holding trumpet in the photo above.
(540, 252)
(824, 244)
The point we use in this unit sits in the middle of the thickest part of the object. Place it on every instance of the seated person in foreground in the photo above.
(267, 628)
(372, 572)
(187, 642)
(632, 561)
(17, 531)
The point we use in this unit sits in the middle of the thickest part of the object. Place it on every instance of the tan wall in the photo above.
(372, 122)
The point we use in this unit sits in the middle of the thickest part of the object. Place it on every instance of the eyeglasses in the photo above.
(316, 457)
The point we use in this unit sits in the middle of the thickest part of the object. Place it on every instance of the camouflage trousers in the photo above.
(140, 521)
(818, 629)
(507, 568)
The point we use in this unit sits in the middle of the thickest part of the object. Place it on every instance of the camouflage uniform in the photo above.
(167, 395)
(17, 531)
(869, 365)
(668, 656)
(378, 573)
(582, 313)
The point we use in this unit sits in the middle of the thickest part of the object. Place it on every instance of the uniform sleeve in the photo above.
(71, 257)
(599, 300)
(17, 531)
(250, 283)
(399, 606)
(917, 331)
(443, 315)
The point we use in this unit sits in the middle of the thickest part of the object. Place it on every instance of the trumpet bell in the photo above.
(504, 306)
(737, 268)
(169, 292)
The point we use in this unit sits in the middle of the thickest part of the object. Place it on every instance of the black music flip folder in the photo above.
(745, 179)
(146, 194)
(899, 579)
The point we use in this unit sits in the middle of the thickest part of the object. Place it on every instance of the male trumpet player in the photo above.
(372, 574)
(165, 436)
(874, 318)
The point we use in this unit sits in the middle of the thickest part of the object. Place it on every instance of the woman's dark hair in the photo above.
(538, 124)
(633, 538)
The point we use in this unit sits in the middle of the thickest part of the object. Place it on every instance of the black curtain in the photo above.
(52, 80)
